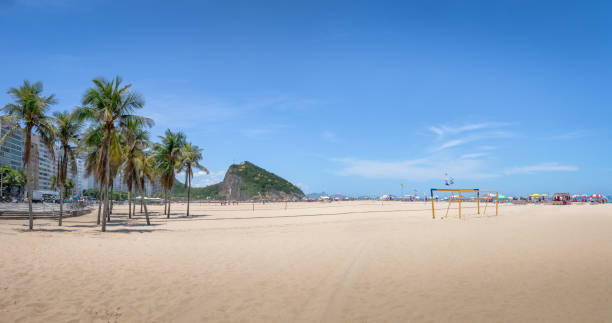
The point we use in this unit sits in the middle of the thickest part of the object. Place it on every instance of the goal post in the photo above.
(459, 191)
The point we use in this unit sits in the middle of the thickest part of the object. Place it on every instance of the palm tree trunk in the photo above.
(145, 205)
(129, 204)
(99, 204)
(107, 181)
(188, 193)
(29, 183)
(165, 201)
(28, 162)
(169, 201)
(112, 200)
(61, 205)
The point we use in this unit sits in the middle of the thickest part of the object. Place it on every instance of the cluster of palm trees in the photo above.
(116, 141)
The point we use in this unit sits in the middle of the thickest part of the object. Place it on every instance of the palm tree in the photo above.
(110, 105)
(167, 160)
(135, 141)
(190, 159)
(65, 189)
(145, 167)
(90, 145)
(68, 127)
(30, 113)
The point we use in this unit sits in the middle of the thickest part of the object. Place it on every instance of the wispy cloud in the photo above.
(473, 155)
(263, 131)
(470, 138)
(443, 130)
(194, 112)
(452, 143)
(416, 170)
(329, 136)
(543, 167)
(576, 134)
(454, 136)
(439, 158)
(201, 179)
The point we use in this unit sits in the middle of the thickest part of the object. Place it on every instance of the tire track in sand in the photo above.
(326, 301)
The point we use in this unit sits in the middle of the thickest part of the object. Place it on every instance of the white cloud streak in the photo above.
(419, 170)
(543, 167)
(201, 179)
(576, 134)
(329, 136)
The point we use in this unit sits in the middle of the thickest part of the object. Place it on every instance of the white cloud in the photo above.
(201, 179)
(543, 167)
(473, 155)
(576, 134)
(194, 112)
(443, 130)
(415, 170)
(454, 136)
(440, 158)
(262, 131)
(452, 143)
(329, 136)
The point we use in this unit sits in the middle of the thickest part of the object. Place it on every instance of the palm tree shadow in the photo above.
(45, 230)
(192, 216)
(115, 224)
(134, 230)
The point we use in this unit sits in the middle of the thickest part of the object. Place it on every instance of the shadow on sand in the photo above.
(44, 230)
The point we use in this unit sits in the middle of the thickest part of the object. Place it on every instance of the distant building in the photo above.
(153, 187)
(43, 164)
(79, 179)
(11, 151)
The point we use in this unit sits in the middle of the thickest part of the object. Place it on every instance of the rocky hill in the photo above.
(245, 181)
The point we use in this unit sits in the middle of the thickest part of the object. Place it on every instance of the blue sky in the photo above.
(347, 97)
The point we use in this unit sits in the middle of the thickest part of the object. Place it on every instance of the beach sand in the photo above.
(313, 262)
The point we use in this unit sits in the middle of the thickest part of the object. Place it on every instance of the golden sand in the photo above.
(313, 262)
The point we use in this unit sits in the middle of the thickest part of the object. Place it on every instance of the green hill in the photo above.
(245, 181)
(248, 181)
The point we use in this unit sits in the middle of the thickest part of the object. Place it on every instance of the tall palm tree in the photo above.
(110, 105)
(90, 146)
(135, 140)
(191, 155)
(29, 114)
(167, 160)
(68, 129)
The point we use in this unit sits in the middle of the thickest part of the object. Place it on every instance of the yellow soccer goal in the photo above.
(477, 197)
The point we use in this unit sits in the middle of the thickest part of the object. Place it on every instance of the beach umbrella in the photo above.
(534, 195)
(596, 196)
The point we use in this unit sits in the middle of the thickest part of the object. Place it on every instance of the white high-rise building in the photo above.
(11, 151)
(44, 165)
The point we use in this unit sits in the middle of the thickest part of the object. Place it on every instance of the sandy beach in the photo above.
(312, 262)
